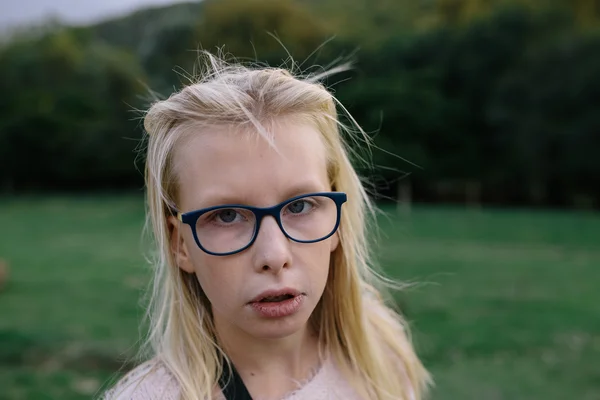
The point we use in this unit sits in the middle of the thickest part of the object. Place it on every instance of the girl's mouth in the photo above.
(274, 299)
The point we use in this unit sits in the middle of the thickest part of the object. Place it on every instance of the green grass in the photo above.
(506, 305)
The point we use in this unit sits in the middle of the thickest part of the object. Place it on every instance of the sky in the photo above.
(14, 13)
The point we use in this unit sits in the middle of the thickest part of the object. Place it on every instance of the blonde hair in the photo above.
(367, 339)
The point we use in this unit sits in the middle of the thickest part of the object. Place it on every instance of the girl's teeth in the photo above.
(277, 298)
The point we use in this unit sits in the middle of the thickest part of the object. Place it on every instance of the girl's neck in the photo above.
(270, 368)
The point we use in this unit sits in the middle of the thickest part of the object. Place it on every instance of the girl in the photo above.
(263, 287)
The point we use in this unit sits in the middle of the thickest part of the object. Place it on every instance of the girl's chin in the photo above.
(277, 329)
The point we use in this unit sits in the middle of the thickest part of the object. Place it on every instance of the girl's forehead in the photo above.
(285, 139)
(223, 165)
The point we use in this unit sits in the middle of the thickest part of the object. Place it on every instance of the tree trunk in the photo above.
(537, 192)
(404, 198)
(473, 194)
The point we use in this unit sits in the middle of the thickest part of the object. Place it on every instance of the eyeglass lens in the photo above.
(226, 230)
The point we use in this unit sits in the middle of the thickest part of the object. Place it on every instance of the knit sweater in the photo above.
(153, 382)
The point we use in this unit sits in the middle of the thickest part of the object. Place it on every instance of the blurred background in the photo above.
(485, 118)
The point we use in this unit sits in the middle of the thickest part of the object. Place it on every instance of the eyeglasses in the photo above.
(228, 229)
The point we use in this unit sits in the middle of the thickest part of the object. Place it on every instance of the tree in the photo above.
(244, 28)
(545, 109)
(65, 113)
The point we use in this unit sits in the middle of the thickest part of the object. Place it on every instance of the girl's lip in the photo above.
(275, 293)
(278, 309)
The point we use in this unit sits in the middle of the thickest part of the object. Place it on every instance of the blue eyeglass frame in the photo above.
(190, 218)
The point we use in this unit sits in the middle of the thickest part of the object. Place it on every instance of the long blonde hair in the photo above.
(367, 339)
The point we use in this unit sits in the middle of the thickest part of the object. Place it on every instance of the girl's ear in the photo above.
(178, 245)
(335, 241)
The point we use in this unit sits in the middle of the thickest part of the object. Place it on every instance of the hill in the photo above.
(135, 30)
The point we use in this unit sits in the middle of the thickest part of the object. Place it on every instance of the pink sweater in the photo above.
(326, 384)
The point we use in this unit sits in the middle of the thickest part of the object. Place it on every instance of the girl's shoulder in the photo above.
(148, 381)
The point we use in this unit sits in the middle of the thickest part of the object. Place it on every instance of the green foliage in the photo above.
(251, 29)
(463, 104)
(66, 103)
(496, 94)
(368, 22)
(135, 31)
(548, 116)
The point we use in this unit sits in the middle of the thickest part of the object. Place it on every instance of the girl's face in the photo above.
(225, 166)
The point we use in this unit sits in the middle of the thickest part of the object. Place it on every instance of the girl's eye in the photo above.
(227, 216)
(299, 206)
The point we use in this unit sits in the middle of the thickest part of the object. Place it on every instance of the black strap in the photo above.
(232, 385)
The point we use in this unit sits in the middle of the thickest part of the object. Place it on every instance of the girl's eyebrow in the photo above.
(304, 188)
(218, 198)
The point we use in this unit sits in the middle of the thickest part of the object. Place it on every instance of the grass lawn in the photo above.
(506, 303)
